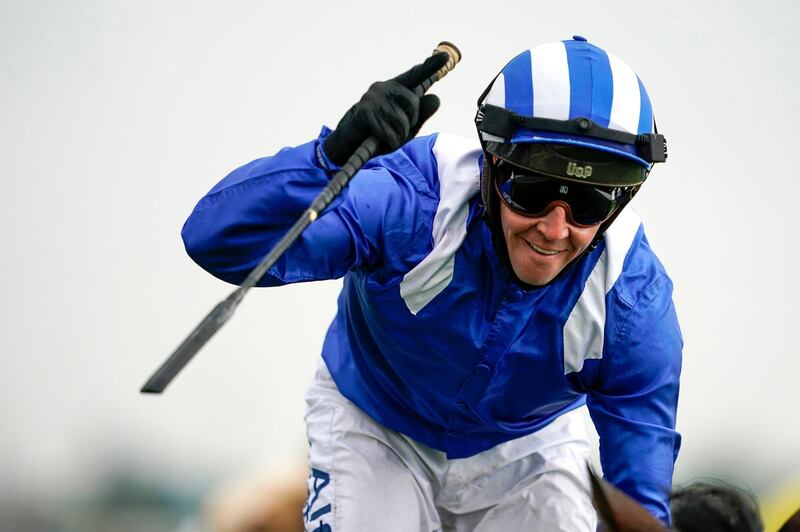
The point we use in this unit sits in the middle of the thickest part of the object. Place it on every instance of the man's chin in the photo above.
(535, 278)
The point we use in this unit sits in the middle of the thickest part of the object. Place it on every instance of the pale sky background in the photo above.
(116, 117)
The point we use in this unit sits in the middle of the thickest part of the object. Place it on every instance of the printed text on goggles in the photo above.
(532, 194)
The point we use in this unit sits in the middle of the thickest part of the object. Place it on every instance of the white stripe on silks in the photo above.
(550, 92)
(459, 176)
(584, 330)
(496, 96)
(627, 100)
(618, 240)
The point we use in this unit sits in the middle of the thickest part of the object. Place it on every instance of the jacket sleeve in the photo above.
(634, 396)
(236, 224)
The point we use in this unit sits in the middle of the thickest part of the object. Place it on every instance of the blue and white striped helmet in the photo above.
(573, 112)
(591, 98)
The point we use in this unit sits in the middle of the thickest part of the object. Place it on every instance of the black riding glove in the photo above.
(389, 111)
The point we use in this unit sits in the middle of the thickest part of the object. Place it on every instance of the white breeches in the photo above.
(366, 477)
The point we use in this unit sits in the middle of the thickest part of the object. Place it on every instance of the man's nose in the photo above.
(553, 225)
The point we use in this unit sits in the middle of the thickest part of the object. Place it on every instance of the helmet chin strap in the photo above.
(491, 215)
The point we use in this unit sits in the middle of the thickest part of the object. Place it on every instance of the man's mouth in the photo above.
(542, 251)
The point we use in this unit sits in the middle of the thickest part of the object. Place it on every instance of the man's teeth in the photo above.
(542, 251)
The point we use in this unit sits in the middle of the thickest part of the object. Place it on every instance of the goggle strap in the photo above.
(502, 123)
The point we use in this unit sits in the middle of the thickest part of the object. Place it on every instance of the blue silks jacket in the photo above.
(433, 338)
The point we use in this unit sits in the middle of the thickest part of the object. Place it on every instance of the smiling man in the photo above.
(541, 234)
(490, 293)
(541, 246)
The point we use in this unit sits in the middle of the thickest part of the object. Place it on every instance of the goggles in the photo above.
(532, 194)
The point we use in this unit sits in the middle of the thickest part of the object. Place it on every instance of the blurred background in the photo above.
(116, 117)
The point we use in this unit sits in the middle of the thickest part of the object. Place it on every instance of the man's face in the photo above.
(540, 247)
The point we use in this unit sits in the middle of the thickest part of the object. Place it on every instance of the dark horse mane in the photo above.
(707, 507)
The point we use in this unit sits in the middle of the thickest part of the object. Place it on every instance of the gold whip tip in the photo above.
(453, 57)
(450, 48)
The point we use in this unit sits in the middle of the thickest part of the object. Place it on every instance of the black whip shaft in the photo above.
(221, 313)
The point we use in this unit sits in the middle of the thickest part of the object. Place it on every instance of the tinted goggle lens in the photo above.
(531, 194)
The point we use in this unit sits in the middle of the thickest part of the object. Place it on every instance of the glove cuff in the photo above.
(322, 157)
